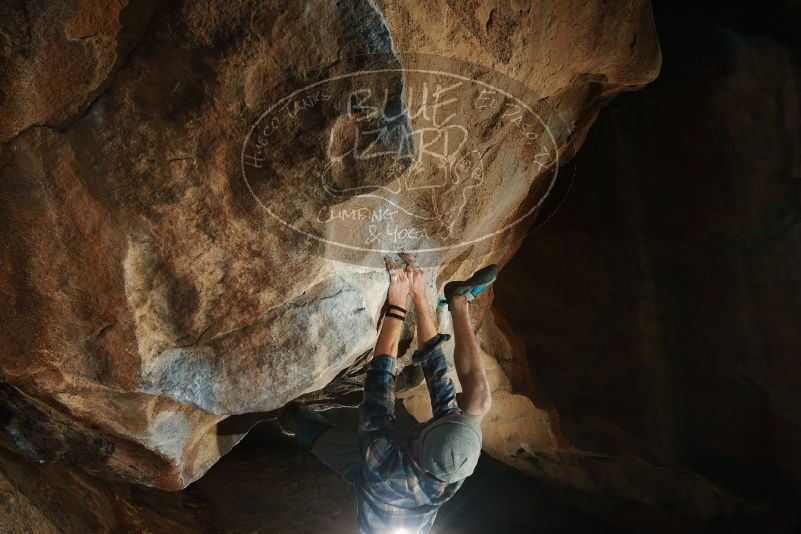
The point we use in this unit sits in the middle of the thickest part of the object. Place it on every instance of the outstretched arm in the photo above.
(417, 290)
(377, 409)
(429, 354)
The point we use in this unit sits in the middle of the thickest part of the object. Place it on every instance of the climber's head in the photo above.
(450, 447)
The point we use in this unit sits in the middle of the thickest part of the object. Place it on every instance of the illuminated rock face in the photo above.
(146, 295)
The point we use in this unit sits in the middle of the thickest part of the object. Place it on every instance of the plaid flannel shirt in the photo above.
(394, 492)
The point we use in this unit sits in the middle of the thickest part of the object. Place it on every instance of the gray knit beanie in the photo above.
(450, 447)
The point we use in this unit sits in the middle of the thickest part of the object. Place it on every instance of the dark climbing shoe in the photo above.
(304, 423)
(287, 419)
(474, 285)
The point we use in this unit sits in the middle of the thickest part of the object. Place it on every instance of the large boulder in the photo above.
(162, 266)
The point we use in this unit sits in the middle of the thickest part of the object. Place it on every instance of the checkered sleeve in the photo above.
(435, 366)
(377, 409)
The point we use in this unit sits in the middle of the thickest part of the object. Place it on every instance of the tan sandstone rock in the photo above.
(146, 294)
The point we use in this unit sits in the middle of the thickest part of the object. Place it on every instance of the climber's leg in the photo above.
(337, 449)
(297, 419)
(476, 397)
(341, 452)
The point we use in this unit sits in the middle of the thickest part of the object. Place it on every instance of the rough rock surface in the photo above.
(145, 296)
(51, 498)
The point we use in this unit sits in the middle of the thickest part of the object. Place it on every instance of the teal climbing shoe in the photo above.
(474, 285)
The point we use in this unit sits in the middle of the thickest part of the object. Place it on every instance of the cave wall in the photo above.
(641, 342)
(52, 498)
(657, 310)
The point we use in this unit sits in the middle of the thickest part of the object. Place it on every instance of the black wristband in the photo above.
(393, 307)
(395, 316)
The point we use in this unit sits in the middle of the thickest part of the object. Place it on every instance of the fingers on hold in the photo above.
(390, 263)
(407, 259)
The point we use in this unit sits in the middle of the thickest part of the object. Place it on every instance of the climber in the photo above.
(401, 480)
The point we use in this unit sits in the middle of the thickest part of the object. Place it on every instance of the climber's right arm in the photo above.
(377, 409)
(435, 368)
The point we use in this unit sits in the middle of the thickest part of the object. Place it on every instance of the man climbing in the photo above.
(402, 480)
